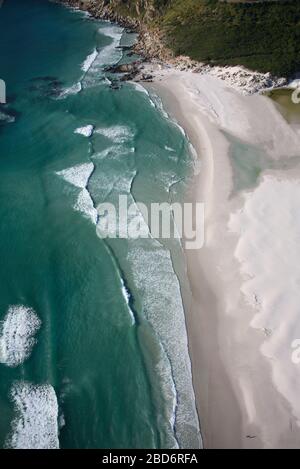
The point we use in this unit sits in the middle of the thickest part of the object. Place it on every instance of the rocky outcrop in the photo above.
(151, 46)
(243, 80)
(106, 10)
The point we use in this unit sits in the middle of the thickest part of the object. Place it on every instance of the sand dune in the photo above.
(244, 323)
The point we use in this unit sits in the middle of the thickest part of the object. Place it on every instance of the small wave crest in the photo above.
(86, 65)
(127, 298)
(8, 119)
(118, 134)
(116, 152)
(86, 131)
(72, 90)
(170, 149)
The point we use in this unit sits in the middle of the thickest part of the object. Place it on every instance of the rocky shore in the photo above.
(156, 57)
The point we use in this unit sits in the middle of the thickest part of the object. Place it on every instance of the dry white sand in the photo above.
(245, 315)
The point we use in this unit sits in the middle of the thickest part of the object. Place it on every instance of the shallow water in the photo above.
(283, 98)
(111, 350)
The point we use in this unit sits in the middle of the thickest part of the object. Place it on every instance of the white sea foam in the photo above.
(168, 178)
(294, 84)
(111, 152)
(107, 56)
(138, 87)
(113, 31)
(196, 160)
(159, 106)
(75, 89)
(109, 182)
(162, 303)
(110, 55)
(86, 131)
(36, 423)
(78, 175)
(89, 61)
(125, 292)
(118, 134)
(114, 153)
(86, 206)
(164, 371)
(83, 14)
(170, 149)
(155, 279)
(61, 421)
(6, 118)
(17, 335)
(127, 298)
(158, 285)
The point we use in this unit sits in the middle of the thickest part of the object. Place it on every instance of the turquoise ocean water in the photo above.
(93, 345)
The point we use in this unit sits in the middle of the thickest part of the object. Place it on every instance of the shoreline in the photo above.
(187, 428)
(200, 135)
(231, 404)
(156, 55)
(248, 408)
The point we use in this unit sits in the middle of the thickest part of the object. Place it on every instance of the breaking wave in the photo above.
(86, 206)
(89, 61)
(96, 62)
(36, 423)
(72, 90)
(118, 134)
(108, 55)
(151, 263)
(158, 284)
(140, 88)
(17, 335)
(86, 131)
(79, 176)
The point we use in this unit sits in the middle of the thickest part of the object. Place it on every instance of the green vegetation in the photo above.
(262, 36)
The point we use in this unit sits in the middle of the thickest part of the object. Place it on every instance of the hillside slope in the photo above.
(263, 36)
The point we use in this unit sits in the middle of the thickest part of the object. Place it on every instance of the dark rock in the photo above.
(147, 77)
(123, 68)
(130, 76)
(124, 48)
(115, 85)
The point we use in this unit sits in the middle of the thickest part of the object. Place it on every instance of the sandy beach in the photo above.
(243, 324)
(243, 319)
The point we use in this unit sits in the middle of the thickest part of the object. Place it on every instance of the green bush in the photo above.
(261, 36)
